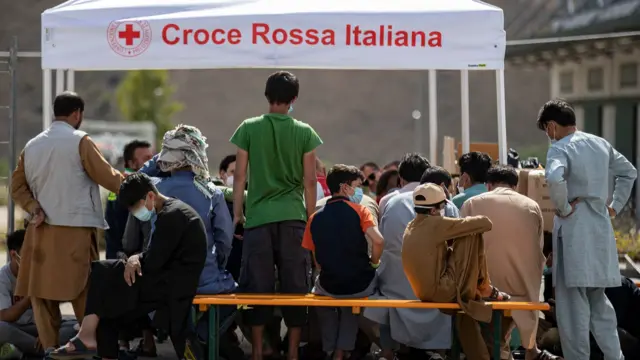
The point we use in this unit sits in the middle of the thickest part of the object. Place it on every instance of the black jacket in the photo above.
(116, 216)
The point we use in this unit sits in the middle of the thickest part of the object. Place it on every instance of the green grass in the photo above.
(538, 151)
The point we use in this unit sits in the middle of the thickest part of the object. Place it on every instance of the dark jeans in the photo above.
(264, 248)
(24, 337)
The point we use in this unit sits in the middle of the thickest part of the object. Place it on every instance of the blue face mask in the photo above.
(290, 108)
(547, 271)
(357, 196)
(143, 214)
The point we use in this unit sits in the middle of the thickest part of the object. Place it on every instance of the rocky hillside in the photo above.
(361, 115)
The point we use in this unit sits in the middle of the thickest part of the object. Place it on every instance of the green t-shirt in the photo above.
(276, 144)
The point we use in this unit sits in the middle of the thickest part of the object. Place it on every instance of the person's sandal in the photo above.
(80, 351)
(545, 355)
(139, 350)
(497, 295)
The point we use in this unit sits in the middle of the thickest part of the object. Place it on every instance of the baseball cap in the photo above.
(428, 195)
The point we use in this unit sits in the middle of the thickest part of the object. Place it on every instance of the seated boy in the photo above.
(336, 235)
(18, 333)
(439, 274)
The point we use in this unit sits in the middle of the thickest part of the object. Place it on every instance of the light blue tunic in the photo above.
(580, 166)
(468, 193)
(419, 328)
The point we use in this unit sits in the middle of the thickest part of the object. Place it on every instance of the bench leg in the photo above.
(455, 341)
(213, 332)
(497, 334)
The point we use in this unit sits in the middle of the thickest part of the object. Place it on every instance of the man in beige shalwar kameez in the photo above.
(56, 181)
(514, 252)
(439, 274)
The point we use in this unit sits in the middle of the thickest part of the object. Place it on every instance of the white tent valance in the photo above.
(328, 34)
(338, 34)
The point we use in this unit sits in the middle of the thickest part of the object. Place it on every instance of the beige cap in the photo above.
(428, 195)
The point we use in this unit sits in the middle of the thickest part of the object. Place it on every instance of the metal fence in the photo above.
(8, 65)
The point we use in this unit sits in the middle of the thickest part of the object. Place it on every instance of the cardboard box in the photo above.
(489, 148)
(523, 181)
(538, 191)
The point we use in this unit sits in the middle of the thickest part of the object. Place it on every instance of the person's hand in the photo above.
(131, 269)
(612, 213)
(37, 217)
(573, 204)
(238, 219)
(549, 261)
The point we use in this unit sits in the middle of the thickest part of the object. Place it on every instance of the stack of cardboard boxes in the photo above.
(532, 183)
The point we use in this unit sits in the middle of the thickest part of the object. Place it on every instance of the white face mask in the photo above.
(460, 190)
(442, 212)
(230, 181)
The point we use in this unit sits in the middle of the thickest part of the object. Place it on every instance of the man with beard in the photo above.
(56, 182)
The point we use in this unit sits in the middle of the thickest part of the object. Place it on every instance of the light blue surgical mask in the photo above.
(357, 196)
(290, 108)
(143, 214)
(547, 271)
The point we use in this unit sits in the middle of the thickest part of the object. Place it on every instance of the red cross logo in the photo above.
(129, 34)
(129, 38)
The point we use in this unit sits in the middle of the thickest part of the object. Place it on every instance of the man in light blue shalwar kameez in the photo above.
(585, 261)
(419, 328)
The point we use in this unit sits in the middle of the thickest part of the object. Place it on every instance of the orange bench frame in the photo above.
(211, 303)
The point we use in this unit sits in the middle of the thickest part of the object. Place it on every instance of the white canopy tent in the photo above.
(320, 34)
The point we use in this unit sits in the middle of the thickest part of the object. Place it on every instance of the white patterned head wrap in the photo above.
(182, 147)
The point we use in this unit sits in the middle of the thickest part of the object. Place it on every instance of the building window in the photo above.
(566, 82)
(595, 79)
(629, 75)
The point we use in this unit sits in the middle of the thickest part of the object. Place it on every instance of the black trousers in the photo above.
(118, 305)
(265, 248)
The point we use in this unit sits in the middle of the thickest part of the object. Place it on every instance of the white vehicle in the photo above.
(111, 137)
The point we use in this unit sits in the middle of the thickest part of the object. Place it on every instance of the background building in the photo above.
(592, 51)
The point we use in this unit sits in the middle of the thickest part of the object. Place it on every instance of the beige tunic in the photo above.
(55, 260)
(437, 274)
(514, 250)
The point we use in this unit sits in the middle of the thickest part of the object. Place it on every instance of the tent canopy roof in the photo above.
(271, 7)
(190, 34)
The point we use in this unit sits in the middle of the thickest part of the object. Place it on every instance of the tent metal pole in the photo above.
(71, 80)
(46, 98)
(502, 116)
(13, 127)
(464, 106)
(59, 81)
(433, 117)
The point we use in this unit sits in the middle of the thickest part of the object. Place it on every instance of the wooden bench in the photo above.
(212, 302)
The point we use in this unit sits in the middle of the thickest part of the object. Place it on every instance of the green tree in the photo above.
(146, 95)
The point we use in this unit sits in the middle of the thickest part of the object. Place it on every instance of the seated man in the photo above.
(18, 333)
(422, 330)
(184, 156)
(437, 274)
(514, 252)
(336, 236)
(162, 278)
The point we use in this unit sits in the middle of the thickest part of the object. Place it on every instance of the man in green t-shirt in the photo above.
(281, 197)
